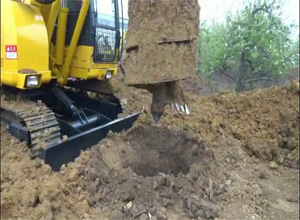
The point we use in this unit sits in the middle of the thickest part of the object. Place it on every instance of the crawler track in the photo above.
(40, 121)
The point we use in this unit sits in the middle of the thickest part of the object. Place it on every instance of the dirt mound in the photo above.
(31, 191)
(265, 121)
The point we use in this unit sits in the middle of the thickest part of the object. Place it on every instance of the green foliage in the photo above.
(252, 45)
(212, 47)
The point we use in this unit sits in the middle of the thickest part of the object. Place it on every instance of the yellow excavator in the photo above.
(53, 53)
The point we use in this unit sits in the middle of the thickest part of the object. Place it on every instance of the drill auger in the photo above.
(160, 54)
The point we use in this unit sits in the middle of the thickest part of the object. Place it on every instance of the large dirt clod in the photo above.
(156, 63)
(156, 21)
(161, 41)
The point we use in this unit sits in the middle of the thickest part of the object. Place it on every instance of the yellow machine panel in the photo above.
(26, 32)
(84, 67)
(24, 44)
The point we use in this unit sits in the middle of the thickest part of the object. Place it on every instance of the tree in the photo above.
(251, 46)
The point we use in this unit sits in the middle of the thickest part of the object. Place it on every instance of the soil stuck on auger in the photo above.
(161, 50)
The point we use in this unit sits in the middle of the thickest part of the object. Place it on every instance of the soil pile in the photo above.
(31, 191)
(265, 121)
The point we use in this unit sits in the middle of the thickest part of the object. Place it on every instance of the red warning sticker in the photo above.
(11, 52)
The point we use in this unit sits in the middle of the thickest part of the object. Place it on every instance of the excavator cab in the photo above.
(54, 54)
(100, 30)
(97, 50)
(107, 32)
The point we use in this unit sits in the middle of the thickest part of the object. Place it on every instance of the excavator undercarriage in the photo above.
(58, 123)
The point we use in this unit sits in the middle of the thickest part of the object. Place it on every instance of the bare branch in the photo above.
(264, 7)
(259, 79)
(250, 64)
(224, 72)
(240, 23)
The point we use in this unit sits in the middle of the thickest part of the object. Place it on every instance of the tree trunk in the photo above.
(240, 85)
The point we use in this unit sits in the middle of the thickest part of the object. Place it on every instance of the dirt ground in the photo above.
(236, 157)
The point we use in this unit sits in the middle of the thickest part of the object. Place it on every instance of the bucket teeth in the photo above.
(183, 108)
(172, 106)
(177, 107)
(187, 111)
(156, 117)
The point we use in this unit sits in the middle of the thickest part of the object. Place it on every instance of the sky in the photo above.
(215, 10)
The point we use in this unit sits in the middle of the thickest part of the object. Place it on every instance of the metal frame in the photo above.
(66, 152)
(18, 131)
(101, 118)
(117, 34)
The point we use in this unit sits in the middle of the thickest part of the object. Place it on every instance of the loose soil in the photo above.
(235, 157)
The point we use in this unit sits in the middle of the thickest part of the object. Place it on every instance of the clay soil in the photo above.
(235, 157)
(157, 21)
(161, 41)
(165, 62)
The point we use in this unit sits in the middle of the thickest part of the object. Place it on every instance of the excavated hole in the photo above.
(152, 150)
